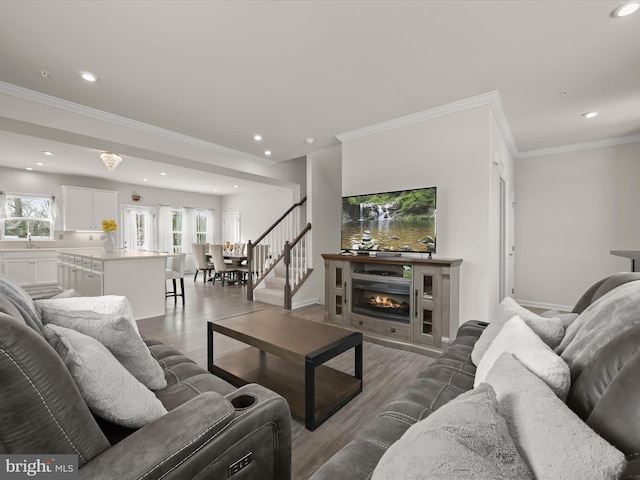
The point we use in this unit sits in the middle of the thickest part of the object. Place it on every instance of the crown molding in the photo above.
(491, 98)
(76, 108)
(606, 142)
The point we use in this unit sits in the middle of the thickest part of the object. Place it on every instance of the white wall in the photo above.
(323, 209)
(453, 153)
(572, 209)
(258, 208)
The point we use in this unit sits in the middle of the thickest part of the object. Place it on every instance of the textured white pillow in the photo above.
(110, 391)
(550, 330)
(608, 317)
(554, 441)
(109, 305)
(518, 339)
(465, 438)
(120, 338)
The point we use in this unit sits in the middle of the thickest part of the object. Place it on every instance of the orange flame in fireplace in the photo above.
(384, 302)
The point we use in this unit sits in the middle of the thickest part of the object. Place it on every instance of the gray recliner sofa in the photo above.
(606, 395)
(211, 430)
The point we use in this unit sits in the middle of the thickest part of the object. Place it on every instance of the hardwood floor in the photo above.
(386, 369)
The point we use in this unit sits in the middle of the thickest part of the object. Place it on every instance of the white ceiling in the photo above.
(217, 72)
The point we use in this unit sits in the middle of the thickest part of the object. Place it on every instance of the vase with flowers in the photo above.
(109, 227)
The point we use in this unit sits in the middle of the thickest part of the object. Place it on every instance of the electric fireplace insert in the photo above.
(382, 299)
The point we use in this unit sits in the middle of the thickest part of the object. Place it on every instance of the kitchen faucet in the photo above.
(30, 242)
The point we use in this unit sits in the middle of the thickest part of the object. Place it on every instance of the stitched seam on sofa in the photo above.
(215, 435)
(187, 445)
(449, 384)
(398, 416)
(170, 372)
(43, 402)
(459, 370)
(375, 442)
(190, 386)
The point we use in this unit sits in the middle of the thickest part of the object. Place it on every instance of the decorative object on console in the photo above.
(111, 160)
(108, 227)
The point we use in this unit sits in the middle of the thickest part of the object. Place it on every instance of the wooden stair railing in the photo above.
(265, 252)
(301, 269)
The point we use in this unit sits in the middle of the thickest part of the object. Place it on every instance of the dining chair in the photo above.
(173, 272)
(222, 270)
(200, 257)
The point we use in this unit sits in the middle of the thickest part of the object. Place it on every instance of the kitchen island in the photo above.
(138, 275)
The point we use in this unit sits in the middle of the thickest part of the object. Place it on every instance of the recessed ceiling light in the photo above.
(626, 8)
(267, 152)
(590, 114)
(215, 189)
(257, 138)
(236, 186)
(309, 140)
(40, 163)
(89, 77)
(145, 179)
(29, 168)
(47, 152)
(163, 173)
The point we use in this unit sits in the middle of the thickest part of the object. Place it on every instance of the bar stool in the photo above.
(176, 272)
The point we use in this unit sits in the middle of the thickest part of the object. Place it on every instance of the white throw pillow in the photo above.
(550, 330)
(602, 321)
(518, 339)
(110, 391)
(109, 305)
(465, 438)
(120, 338)
(554, 441)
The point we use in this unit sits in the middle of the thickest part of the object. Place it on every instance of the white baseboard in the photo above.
(305, 303)
(546, 306)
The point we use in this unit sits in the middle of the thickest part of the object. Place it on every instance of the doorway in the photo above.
(507, 247)
(231, 227)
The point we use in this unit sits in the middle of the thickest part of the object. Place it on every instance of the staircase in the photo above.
(282, 260)
(274, 285)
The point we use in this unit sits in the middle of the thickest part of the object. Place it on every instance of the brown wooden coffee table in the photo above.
(287, 356)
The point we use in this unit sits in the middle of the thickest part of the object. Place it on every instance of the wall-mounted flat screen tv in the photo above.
(402, 221)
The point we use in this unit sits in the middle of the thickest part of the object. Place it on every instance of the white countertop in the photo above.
(95, 253)
(118, 254)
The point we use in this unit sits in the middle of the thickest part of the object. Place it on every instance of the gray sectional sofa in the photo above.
(605, 394)
(211, 430)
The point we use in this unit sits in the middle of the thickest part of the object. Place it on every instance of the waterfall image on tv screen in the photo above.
(403, 221)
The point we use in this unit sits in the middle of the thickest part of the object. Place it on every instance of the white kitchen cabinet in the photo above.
(34, 270)
(85, 208)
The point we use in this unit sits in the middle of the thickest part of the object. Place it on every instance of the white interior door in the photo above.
(507, 247)
(231, 227)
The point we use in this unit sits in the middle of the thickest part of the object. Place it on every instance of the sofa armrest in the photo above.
(209, 435)
(472, 328)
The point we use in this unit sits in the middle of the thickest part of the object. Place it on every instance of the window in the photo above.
(176, 230)
(27, 214)
(138, 227)
(201, 226)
